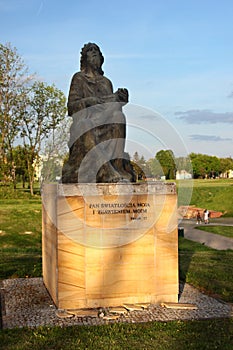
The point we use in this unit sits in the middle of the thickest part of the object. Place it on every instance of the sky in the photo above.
(174, 56)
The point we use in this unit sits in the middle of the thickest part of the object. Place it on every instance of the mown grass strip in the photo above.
(226, 231)
(175, 335)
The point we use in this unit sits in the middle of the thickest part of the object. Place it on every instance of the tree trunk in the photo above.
(23, 179)
(31, 179)
(31, 187)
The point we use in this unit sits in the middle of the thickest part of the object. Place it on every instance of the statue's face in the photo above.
(93, 56)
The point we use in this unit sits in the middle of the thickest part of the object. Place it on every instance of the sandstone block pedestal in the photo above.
(108, 244)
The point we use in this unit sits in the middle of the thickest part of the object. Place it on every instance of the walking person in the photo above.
(206, 216)
(198, 217)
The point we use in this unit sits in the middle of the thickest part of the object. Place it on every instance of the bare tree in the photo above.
(45, 107)
(55, 151)
(14, 79)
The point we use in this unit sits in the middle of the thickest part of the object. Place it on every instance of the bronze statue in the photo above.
(98, 131)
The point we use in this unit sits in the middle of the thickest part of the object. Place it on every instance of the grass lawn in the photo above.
(212, 194)
(20, 238)
(179, 335)
(226, 231)
(207, 269)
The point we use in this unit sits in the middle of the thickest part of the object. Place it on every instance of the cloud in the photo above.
(209, 138)
(197, 116)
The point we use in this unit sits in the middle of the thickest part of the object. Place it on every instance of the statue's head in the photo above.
(84, 57)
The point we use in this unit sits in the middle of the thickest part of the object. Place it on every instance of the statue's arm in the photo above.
(76, 99)
(121, 95)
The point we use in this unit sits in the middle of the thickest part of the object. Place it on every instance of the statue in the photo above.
(98, 131)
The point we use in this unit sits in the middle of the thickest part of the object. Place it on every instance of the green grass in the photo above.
(175, 335)
(207, 269)
(212, 194)
(212, 182)
(7, 191)
(226, 231)
(20, 238)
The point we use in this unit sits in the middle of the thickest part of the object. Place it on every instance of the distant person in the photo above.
(206, 216)
(198, 217)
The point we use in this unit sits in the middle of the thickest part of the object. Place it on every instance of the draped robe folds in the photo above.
(97, 134)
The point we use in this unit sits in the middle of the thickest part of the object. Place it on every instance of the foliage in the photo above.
(226, 164)
(55, 152)
(44, 110)
(20, 161)
(205, 166)
(28, 110)
(155, 168)
(184, 163)
(199, 165)
(139, 166)
(14, 81)
(166, 160)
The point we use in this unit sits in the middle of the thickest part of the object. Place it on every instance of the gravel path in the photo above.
(25, 302)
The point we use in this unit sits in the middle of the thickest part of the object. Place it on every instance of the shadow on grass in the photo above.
(15, 265)
(207, 269)
(210, 271)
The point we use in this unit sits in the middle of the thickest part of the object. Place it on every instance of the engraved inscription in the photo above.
(133, 209)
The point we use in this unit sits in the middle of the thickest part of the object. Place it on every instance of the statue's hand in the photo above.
(123, 95)
(91, 101)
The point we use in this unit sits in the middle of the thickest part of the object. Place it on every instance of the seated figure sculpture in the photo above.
(98, 130)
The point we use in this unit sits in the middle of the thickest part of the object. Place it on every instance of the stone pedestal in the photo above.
(109, 244)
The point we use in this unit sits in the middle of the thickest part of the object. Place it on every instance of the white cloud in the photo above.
(209, 138)
(196, 116)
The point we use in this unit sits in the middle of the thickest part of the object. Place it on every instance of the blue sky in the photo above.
(174, 56)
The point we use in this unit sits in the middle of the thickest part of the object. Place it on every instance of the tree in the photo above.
(20, 161)
(184, 163)
(14, 79)
(226, 164)
(45, 107)
(55, 152)
(139, 165)
(205, 166)
(198, 165)
(155, 168)
(166, 160)
(146, 168)
(136, 157)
